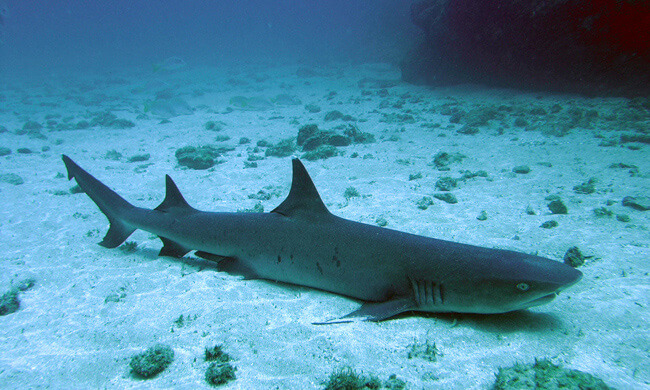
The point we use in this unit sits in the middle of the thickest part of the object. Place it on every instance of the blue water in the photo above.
(53, 35)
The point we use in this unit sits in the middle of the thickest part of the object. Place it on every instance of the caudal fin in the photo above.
(109, 202)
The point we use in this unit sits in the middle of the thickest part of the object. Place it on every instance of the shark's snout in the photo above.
(563, 276)
(573, 278)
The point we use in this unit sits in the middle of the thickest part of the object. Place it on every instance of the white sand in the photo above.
(66, 336)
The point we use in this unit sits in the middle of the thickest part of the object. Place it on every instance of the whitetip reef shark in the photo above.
(300, 242)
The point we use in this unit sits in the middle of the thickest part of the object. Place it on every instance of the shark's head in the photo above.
(513, 281)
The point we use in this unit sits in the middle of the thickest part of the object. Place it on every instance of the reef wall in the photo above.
(594, 47)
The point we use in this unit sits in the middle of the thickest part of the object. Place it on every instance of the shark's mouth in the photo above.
(541, 300)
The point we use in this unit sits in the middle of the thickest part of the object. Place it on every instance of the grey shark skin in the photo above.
(301, 242)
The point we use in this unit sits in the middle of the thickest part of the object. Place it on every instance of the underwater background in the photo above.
(54, 36)
(221, 95)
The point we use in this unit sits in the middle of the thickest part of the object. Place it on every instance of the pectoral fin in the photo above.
(172, 249)
(375, 311)
(229, 265)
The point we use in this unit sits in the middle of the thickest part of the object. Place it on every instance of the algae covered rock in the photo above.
(521, 169)
(545, 375)
(641, 203)
(306, 132)
(216, 354)
(32, 125)
(110, 120)
(310, 138)
(357, 136)
(9, 302)
(139, 158)
(202, 157)
(153, 361)
(333, 115)
(313, 142)
(220, 370)
(558, 207)
(214, 125)
(346, 378)
(338, 140)
(446, 197)
(284, 148)
(220, 374)
(312, 108)
(11, 178)
(549, 224)
(424, 203)
(588, 187)
(321, 153)
(574, 257)
(442, 160)
(446, 183)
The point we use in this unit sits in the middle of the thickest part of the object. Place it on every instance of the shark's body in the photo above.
(301, 242)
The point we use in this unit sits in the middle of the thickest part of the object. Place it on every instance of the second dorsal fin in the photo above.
(173, 198)
(303, 198)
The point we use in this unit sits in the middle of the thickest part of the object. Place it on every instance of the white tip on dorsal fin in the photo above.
(303, 197)
(173, 198)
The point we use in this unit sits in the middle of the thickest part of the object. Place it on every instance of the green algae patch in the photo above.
(199, 158)
(284, 148)
(348, 379)
(9, 302)
(219, 374)
(220, 370)
(547, 376)
(152, 362)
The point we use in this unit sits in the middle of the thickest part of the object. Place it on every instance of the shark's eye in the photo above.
(523, 287)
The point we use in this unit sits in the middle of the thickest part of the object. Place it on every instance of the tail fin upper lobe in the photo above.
(109, 202)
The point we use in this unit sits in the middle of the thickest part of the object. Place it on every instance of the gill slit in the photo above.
(427, 292)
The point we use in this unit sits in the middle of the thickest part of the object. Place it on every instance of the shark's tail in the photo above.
(109, 202)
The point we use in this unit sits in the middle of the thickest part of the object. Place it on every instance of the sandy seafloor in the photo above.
(67, 334)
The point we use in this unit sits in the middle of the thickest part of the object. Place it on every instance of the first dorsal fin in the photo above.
(173, 198)
(303, 197)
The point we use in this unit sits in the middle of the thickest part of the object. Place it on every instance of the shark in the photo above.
(301, 242)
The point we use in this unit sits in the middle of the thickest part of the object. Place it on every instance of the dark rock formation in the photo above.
(588, 46)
